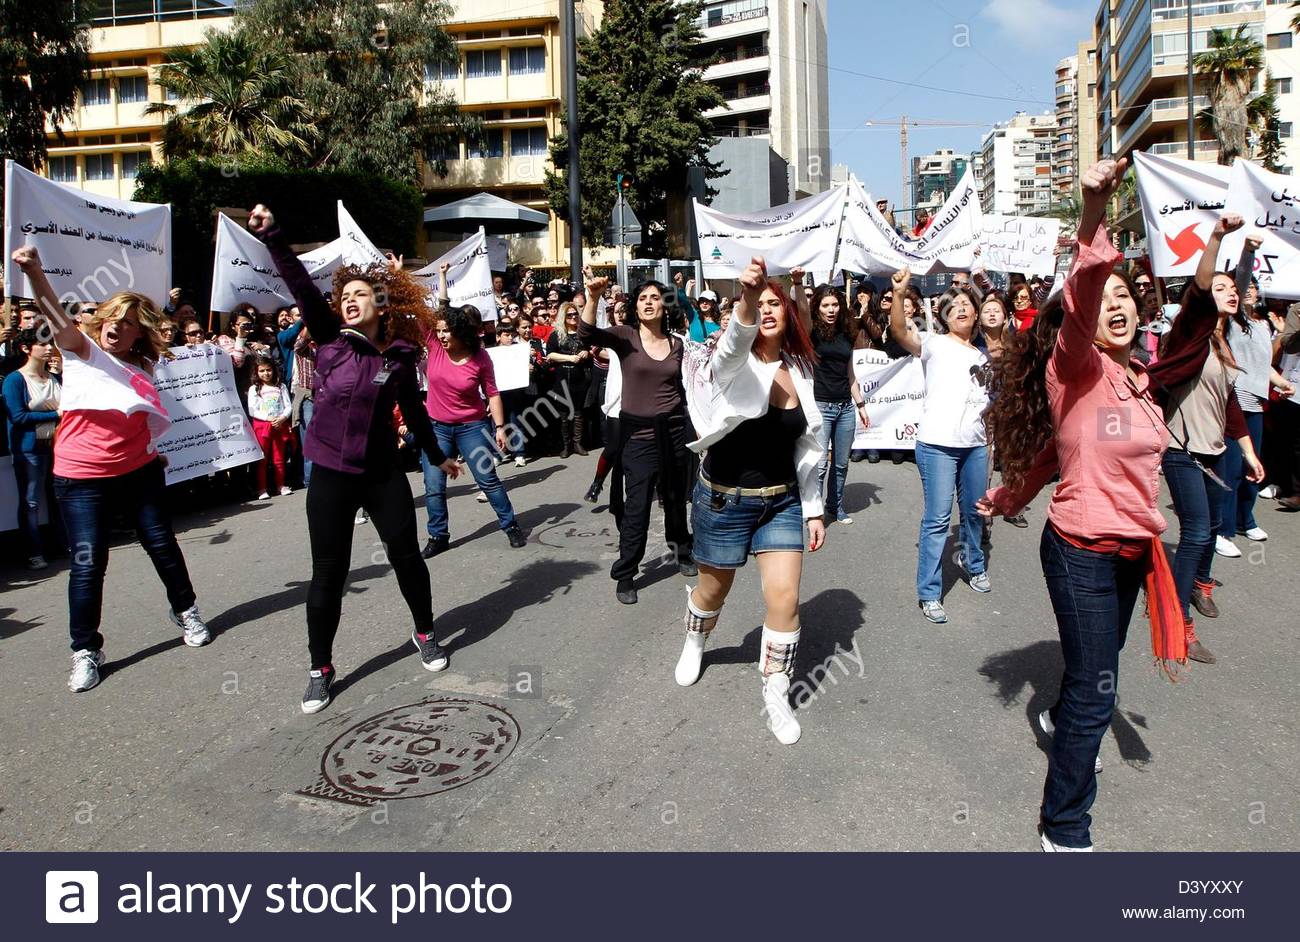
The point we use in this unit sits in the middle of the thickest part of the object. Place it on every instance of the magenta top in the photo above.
(458, 392)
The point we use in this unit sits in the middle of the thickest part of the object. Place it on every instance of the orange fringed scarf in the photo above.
(1168, 630)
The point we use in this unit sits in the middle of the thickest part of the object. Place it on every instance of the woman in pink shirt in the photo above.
(462, 394)
(1071, 396)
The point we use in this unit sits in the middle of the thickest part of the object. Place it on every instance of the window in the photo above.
(528, 142)
(442, 71)
(131, 163)
(139, 138)
(493, 144)
(63, 169)
(528, 60)
(1279, 41)
(1282, 86)
(483, 63)
(99, 167)
(1284, 129)
(132, 89)
(445, 150)
(95, 92)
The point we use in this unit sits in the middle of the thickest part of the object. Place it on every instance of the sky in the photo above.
(1004, 50)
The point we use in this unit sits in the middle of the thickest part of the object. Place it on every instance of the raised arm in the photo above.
(67, 335)
(801, 298)
(591, 335)
(316, 313)
(899, 328)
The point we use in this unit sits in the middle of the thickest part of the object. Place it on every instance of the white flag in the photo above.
(469, 280)
(358, 249)
(91, 246)
(1270, 204)
(1181, 202)
(802, 234)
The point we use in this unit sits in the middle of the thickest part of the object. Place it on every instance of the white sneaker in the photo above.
(1225, 547)
(688, 665)
(481, 498)
(1046, 843)
(85, 670)
(286, 491)
(520, 461)
(264, 496)
(1268, 493)
(1256, 534)
(191, 622)
(1046, 725)
(780, 715)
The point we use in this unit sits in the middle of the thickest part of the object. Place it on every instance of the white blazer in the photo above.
(741, 386)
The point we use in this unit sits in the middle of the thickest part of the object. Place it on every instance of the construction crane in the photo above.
(903, 122)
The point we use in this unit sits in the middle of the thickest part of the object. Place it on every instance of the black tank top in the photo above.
(758, 452)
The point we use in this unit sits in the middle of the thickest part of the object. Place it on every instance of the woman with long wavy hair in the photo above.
(838, 395)
(369, 338)
(1070, 396)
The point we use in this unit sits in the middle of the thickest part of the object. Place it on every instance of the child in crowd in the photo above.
(270, 408)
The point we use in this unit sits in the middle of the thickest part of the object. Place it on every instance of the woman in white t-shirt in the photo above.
(951, 446)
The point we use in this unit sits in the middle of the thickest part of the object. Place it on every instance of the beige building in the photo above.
(1016, 165)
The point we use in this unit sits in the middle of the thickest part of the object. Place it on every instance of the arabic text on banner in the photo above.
(802, 234)
(209, 430)
(469, 280)
(1020, 243)
(1270, 204)
(1181, 202)
(91, 246)
(893, 391)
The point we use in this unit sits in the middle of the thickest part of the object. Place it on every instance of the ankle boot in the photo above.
(579, 429)
(1195, 650)
(566, 437)
(776, 661)
(698, 625)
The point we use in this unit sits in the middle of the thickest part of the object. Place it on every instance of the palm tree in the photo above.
(235, 100)
(1230, 66)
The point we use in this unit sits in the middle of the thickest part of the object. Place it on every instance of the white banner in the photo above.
(1181, 202)
(469, 280)
(950, 241)
(1020, 243)
(869, 244)
(244, 273)
(357, 248)
(91, 246)
(510, 364)
(802, 234)
(893, 391)
(209, 430)
(1270, 204)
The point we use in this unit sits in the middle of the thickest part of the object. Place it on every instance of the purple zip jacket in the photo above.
(351, 427)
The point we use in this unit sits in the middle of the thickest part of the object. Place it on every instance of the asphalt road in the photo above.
(558, 724)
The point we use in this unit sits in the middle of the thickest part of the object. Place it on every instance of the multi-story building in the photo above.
(1017, 156)
(1085, 142)
(934, 177)
(1282, 59)
(771, 68)
(1065, 153)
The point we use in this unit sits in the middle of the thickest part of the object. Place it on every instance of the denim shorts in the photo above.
(728, 528)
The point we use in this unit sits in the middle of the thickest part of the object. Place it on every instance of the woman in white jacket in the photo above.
(758, 424)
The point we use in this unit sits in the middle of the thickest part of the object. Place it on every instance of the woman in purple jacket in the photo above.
(368, 349)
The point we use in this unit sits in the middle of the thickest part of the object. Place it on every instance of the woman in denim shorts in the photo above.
(758, 482)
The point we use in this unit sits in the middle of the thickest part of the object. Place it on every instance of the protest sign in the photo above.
(510, 364)
(1181, 202)
(802, 234)
(357, 249)
(209, 430)
(893, 391)
(1019, 244)
(244, 273)
(869, 244)
(91, 247)
(950, 241)
(469, 280)
(1270, 204)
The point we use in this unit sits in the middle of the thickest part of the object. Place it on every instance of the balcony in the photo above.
(736, 65)
(1159, 111)
(1179, 148)
(745, 23)
(1214, 8)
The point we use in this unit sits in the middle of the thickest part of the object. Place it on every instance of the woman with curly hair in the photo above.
(461, 379)
(369, 338)
(838, 394)
(106, 460)
(1071, 397)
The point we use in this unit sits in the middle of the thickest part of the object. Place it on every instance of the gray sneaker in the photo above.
(190, 622)
(1047, 726)
(932, 610)
(317, 696)
(433, 656)
(85, 670)
(978, 581)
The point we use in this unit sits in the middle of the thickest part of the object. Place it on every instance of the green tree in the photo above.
(236, 100)
(1230, 66)
(43, 59)
(641, 104)
(360, 69)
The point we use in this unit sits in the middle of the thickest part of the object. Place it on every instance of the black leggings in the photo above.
(333, 498)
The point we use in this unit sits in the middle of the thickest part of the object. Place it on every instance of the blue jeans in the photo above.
(946, 470)
(89, 506)
(727, 529)
(32, 471)
(304, 420)
(1093, 595)
(1198, 503)
(839, 423)
(1237, 515)
(474, 442)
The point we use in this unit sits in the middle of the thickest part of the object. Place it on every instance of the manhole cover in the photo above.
(415, 751)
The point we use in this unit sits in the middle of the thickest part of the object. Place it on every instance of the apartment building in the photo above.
(1016, 161)
(1085, 141)
(1065, 153)
(934, 177)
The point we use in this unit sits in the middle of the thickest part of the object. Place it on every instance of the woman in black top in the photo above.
(839, 397)
(572, 362)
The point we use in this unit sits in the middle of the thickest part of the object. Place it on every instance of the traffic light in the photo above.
(624, 183)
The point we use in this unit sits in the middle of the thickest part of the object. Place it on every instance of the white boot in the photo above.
(698, 625)
(776, 704)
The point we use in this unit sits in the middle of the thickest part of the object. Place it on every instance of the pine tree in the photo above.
(361, 69)
(641, 105)
(43, 59)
